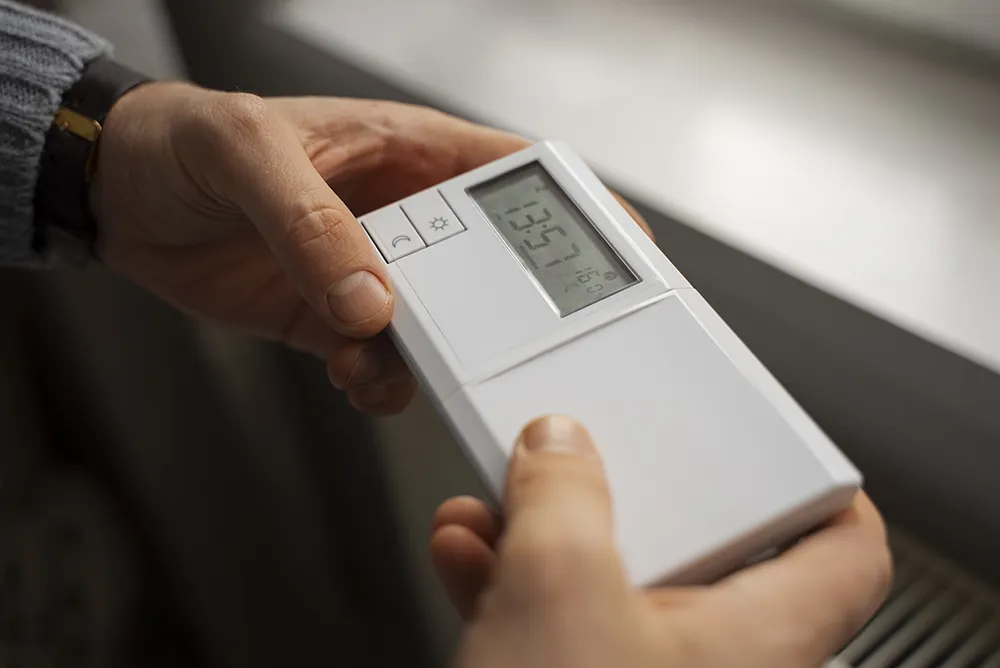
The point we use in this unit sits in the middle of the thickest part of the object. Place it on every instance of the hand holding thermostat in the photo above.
(549, 590)
(243, 210)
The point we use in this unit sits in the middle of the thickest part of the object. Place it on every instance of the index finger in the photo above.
(821, 592)
(423, 147)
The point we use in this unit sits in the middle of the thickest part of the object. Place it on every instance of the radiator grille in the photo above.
(937, 616)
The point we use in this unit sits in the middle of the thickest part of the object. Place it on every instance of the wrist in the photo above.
(135, 162)
(125, 132)
(63, 219)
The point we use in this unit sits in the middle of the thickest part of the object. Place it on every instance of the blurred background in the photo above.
(826, 172)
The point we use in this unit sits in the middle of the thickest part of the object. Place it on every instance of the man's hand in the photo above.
(242, 210)
(550, 591)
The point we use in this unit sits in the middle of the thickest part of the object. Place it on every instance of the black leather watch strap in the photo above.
(63, 220)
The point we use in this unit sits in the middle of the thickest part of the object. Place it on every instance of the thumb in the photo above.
(558, 509)
(314, 236)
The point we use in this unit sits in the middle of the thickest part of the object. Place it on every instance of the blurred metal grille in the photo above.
(937, 616)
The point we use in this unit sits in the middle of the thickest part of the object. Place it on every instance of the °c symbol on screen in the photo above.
(400, 239)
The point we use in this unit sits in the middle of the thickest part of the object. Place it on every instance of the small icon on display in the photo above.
(610, 276)
(402, 238)
(571, 285)
(438, 224)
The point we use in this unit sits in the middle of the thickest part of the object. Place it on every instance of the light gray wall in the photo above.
(974, 23)
(138, 29)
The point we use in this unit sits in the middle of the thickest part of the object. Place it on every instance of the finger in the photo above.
(464, 564)
(385, 399)
(416, 147)
(556, 468)
(820, 593)
(558, 512)
(307, 331)
(261, 166)
(471, 513)
(478, 144)
(426, 131)
(636, 216)
(371, 362)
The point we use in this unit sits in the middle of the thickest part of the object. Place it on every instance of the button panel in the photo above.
(392, 233)
(433, 218)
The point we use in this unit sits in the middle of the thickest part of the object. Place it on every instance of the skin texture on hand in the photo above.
(243, 210)
(548, 590)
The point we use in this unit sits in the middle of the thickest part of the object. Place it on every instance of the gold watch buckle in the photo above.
(85, 128)
(76, 123)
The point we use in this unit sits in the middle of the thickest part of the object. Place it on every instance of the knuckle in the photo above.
(417, 111)
(526, 477)
(434, 115)
(405, 122)
(247, 113)
(341, 365)
(226, 122)
(584, 476)
(327, 229)
(549, 567)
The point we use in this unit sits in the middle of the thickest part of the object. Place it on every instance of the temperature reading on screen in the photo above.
(553, 239)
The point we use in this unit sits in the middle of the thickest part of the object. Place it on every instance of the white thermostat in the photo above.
(523, 288)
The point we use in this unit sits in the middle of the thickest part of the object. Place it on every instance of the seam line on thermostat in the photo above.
(497, 372)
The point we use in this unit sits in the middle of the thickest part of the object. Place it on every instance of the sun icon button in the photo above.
(432, 217)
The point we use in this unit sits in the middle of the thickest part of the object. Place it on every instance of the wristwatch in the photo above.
(63, 220)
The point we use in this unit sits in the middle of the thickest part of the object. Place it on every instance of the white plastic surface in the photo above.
(489, 311)
(711, 462)
(697, 456)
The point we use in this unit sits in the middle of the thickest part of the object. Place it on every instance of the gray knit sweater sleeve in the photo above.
(41, 57)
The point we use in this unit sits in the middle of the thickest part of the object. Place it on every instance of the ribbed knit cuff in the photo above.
(41, 57)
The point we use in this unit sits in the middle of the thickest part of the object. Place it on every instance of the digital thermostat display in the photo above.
(569, 259)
